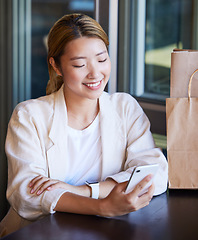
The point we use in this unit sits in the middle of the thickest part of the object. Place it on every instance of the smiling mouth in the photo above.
(92, 84)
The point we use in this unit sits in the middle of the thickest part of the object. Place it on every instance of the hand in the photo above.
(40, 184)
(119, 203)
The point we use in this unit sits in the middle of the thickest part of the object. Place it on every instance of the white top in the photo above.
(84, 154)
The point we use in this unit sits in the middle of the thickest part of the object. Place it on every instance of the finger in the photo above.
(53, 186)
(38, 183)
(46, 186)
(151, 190)
(147, 197)
(140, 186)
(34, 180)
(120, 187)
(142, 205)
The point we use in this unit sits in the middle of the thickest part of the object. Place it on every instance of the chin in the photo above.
(95, 95)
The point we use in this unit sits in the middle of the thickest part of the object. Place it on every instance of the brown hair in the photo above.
(66, 29)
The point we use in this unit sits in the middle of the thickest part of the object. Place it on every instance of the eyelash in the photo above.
(78, 66)
(101, 61)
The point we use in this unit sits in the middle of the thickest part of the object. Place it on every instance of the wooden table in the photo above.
(172, 215)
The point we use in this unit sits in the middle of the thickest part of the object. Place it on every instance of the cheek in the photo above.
(107, 68)
(71, 76)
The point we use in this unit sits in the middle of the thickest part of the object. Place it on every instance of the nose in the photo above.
(93, 72)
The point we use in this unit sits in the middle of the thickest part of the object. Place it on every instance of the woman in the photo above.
(78, 133)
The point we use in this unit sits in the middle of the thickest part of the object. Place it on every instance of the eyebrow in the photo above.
(81, 57)
(101, 53)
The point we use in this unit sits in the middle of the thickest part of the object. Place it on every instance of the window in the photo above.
(148, 32)
(169, 25)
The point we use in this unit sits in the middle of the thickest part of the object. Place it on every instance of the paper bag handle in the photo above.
(190, 83)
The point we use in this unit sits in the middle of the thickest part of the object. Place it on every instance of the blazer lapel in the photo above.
(58, 135)
(112, 137)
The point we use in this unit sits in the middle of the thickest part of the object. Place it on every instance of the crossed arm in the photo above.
(112, 198)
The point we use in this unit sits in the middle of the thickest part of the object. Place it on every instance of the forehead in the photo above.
(85, 45)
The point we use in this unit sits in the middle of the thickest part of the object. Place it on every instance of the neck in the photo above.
(81, 112)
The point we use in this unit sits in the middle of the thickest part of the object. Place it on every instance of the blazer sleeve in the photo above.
(26, 154)
(141, 149)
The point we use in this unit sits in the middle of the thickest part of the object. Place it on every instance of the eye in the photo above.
(78, 66)
(104, 60)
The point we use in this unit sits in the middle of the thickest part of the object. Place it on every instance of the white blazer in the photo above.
(36, 144)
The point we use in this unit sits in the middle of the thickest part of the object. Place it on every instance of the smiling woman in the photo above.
(75, 149)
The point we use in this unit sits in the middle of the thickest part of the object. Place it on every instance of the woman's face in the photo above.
(85, 67)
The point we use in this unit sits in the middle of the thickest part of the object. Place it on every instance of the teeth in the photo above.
(93, 84)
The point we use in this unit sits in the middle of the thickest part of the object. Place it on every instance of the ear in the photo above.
(53, 64)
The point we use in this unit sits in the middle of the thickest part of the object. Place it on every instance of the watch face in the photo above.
(91, 182)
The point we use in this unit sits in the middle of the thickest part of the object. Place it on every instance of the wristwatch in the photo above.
(94, 189)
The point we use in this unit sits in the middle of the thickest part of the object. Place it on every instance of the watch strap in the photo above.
(94, 189)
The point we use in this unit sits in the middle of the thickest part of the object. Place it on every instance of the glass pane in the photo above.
(44, 14)
(168, 26)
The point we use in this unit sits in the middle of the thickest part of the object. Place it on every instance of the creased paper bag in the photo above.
(183, 63)
(182, 140)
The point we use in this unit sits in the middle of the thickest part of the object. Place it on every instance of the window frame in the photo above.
(131, 60)
(106, 13)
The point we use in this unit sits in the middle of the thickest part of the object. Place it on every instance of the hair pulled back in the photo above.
(66, 29)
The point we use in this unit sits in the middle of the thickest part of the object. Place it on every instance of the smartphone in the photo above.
(138, 174)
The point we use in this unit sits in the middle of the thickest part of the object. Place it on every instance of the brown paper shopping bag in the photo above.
(182, 140)
(183, 64)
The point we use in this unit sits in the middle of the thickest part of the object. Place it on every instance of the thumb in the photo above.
(121, 187)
